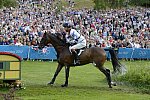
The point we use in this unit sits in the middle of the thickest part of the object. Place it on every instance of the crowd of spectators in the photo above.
(125, 28)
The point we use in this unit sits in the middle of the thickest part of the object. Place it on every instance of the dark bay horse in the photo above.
(95, 55)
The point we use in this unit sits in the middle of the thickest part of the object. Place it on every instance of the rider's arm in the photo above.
(75, 34)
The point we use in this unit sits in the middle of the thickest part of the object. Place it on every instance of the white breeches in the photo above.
(79, 45)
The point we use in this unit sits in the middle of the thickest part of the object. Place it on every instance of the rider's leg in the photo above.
(75, 47)
(76, 57)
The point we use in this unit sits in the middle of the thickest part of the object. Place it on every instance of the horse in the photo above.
(95, 55)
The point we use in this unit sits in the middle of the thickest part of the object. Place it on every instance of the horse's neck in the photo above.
(58, 47)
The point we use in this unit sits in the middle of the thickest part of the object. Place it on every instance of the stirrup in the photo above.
(76, 62)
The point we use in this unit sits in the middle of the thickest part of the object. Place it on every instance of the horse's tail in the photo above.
(117, 66)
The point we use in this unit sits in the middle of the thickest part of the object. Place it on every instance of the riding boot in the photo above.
(76, 58)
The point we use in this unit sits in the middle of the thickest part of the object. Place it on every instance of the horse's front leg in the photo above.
(56, 73)
(67, 69)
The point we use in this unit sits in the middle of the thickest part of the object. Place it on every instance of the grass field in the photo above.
(79, 4)
(85, 83)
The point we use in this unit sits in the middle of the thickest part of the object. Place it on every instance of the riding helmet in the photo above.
(67, 25)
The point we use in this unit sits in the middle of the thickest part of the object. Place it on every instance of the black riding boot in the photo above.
(76, 58)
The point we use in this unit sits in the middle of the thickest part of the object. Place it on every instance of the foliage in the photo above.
(103, 4)
(138, 77)
(1, 3)
(8, 3)
(145, 3)
(79, 4)
(100, 4)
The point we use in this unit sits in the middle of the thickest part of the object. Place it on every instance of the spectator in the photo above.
(118, 28)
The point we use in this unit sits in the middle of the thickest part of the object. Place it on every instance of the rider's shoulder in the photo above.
(73, 30)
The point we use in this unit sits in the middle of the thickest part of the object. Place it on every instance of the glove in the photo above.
(73, 41)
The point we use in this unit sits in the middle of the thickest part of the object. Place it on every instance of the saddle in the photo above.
(76, 55)
(79, 51)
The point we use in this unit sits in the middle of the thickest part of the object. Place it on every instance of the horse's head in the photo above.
(44, 41)
(55, 39)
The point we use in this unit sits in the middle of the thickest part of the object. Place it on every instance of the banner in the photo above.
(141, 53)
(21, 51)
(45, 53)
(138, 53)
(49, 53)
(125, 53)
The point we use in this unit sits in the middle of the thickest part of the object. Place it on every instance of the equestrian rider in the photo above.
(76, 40)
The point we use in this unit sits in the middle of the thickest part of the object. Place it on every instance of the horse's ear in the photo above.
(45, 33)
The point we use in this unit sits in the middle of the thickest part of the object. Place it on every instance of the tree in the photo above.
(8, 3)
(145, 3)
(100, 4)
(103, 4)
(1, 3)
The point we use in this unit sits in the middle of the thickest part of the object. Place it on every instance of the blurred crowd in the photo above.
(121, 28)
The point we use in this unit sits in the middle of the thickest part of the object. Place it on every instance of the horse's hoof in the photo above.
(114, 83)
(110, 86)
(50, 83)
(64, 85)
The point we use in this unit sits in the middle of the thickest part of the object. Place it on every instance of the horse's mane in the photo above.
(57, 39)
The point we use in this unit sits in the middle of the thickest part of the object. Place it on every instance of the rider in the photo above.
(74, 38)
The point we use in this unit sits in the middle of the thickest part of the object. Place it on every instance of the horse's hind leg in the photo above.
(106, 72)
(56, 73)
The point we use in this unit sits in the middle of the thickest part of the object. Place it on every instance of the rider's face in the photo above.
(66, 29)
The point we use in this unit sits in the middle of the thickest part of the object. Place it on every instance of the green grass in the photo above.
(85, 83)
(139, 77)
(79, 4)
